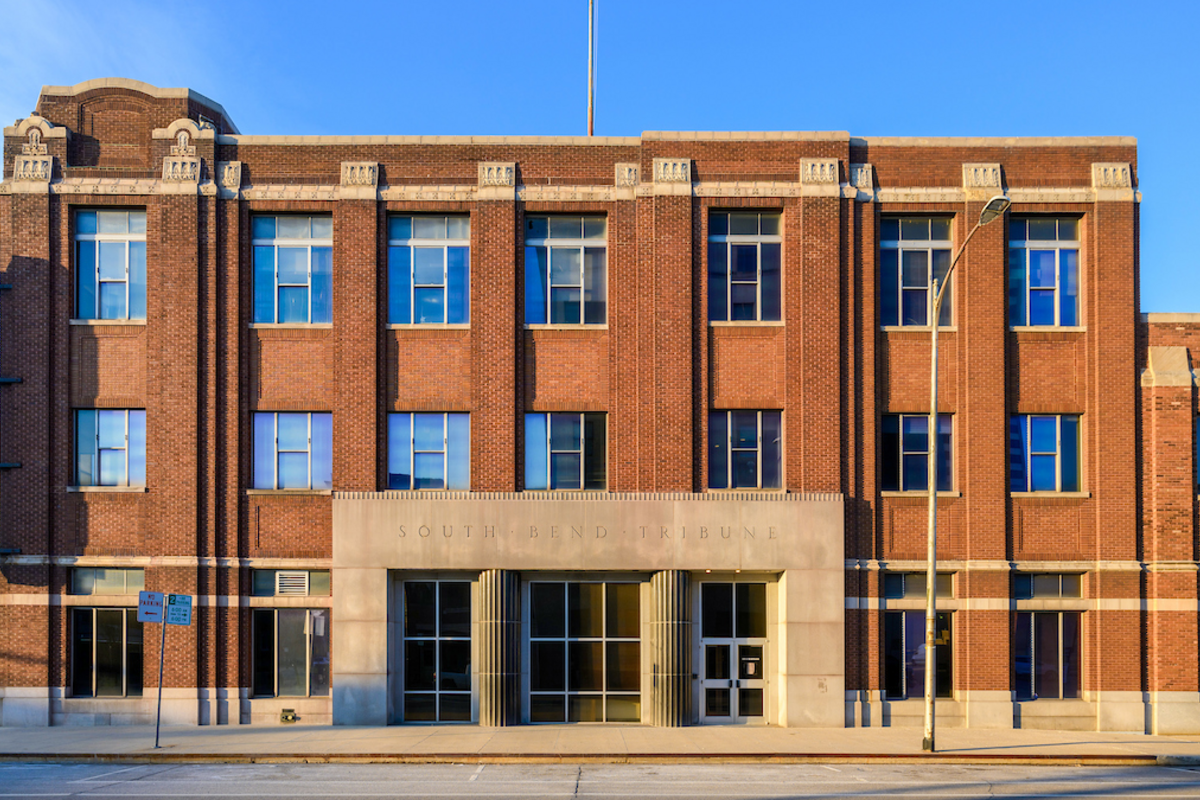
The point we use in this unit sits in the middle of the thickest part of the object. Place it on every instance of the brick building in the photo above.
(533, 429)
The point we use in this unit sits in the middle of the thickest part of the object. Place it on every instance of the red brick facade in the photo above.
(200, 369)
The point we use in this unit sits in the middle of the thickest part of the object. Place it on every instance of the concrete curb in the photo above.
(1091, 760)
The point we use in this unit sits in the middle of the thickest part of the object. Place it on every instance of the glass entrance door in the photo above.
(733, 653)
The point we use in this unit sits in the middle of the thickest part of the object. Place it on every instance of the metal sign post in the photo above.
(176, 611)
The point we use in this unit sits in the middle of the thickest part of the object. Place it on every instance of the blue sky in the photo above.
(1045, 68)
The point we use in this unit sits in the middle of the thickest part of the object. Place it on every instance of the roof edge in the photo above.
(746, 136)
(1168, 317)
(588, 141)
(995, 141)
(139, 86)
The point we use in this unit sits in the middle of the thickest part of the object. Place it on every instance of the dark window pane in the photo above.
(420, 610)
(110, 652)
(941, 264)
(455, 708)
(585, 666)
(915, 432)
(595, 444)
(1017, 230)
(889, 464)
(454, 669)
(1017, 453)
(1068, 286)
(893, 652)
(318, 678)
(322, 284)
(546, 666)
(889, 229)
(914, 269)
(1047, 585)
(547, 708)
(400, 228)
(537, 228)
(889, 303)
(1023, 587)
(914, 653)
(264, 652)
(546, 609)
(595, 287)
(716, 662)
(623, 708)
(1016, 287)
(133, 654)
(939, 229)
(420, 707)
(82, 639)
(718, 450)
(565, 471)
(535, 284)
(916, 473)
(1070, 454)
(1046, 675)
(769, 224)
(718, 281)
(585, 609)
(455, 609)
(566, 227)
(772, 450)
(745, 429)
(744, 263)
(914, 229)
(718, 224)
(945, 657)
(745, 469)
(743, 223)
(420, 664)
(945, 462)
(624, 666)
(716, 610)
(750, 662)
(1070, 654)
(564, 306)
(623, 610)
(743, 301)
(716, 702)
(893, 585)
(458, 284)
(772, 292)
(750, 702)
(915, 307)
(751, 609)
(1043, 229)
(585, 709)
(1068, 230)
(292, 652)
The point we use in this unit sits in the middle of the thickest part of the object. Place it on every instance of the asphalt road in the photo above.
(608, 781)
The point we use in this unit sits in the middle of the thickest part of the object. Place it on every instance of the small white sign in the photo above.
(179, 609)
(150, 606)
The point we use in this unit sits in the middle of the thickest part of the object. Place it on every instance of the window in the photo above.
(744, 266)
(293, 269)
(908, 248)
(291, 652)
(106, 652)
(1046, 654)
(429, 270)
(733, 646)
(110, 447)
(1043, 271)
(904, 456)
(565, 451)
(565, 270)
(745, 450)
(290, 582)
(293, 450)
(429, 451)
(110, 264)
(911, 585)
(1043, 453)
(437, 651)
(904, 655)
(1028, 586)
(585, 652)
(106, 580)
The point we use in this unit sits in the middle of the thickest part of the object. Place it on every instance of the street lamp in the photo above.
(993, 209)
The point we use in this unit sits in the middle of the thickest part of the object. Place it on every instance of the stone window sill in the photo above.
(919, 493)
(106, 489)
(1068, 495)
(582, 326)
(1048, 329)
(291, 326)
(290, 492)
(917, 328)
(96, 322)
(428, 326)
(746, 323)
(744, 489)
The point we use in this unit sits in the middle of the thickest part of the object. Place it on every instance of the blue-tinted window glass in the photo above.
(322, 284)
(137, 280)
(112, 300)
(945, 463)
(564, 305)
(399, 285)
(535, 285)
(322, 451)
(1016, 287)
(85, 268)
(916, 472)
(293, 227)
(718, 450)
(536, 452)
(772, 450)
(458, 451)
(889, 229)
(293, 432)
(743, 299)
(1041, 306)
(293, 304)
(1041, 269)
(293, 471)
(595, 289)
(565, 471)
(916, 434)
(566, 266)
(264, 283)
(1018, 451)
(889, 304)
(264, 451)
(112, 261)
(85, 222)
(718, 281)
(428, 471)
(293, 265)
(263, 228)
(941, 265)
(86, 471)
(745, 429)
(889, 439)
(745, 469)
(137, 448)
(1023, 655)
(428, 432)
(1069, 439)
(743, 264)
(537, 228)
(112, 467)
(427, 305)
(1043, 434)
(1068, 287)
(458, 285)
(914, 309)
(429, 266)
(772, 297)
(111, 429)
(718, 225)
(399, 451)
(400, 228)
(564, 432)
(1016, 230)
(1042, 469)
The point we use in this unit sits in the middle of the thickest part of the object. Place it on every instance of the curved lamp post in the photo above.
(992, 210)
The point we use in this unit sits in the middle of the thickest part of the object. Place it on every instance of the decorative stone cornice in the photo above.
(862, 182)
(820, 177)
(981, 176)
(34, 146)
(181, 169)
(229, 179)
(628, 175)
(672, 170)
(359, 181)
(183, 144)
(497, 173)
(439, 194)
(1113, 181)
(1167, 366)
(33, 168)
(580, 194)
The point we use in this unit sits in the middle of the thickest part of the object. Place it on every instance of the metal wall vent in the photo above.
(291, 582)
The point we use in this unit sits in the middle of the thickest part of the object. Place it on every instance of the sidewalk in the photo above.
(586, 743)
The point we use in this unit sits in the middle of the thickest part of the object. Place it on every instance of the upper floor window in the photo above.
(566, 271)
(110, 264)
(293, 269)
(429, 451)
(1043, 453)
(293, 450)
(290, 582)
(107, 580)
(744, 266)
(565, 451)
(110, 447)
(1043, 271)
(904, 453)
(909, 247)
(429, 269)
(1036, 586)
(745, 450)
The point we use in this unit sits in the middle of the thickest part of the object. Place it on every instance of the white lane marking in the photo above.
(476, 775)
(835, 769)
(99, 778)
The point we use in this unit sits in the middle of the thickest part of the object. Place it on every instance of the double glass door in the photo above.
(733, 652)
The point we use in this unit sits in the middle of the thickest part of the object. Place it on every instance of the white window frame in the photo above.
(415, 243)
(128, 615)
(308, 649)
(413, 452)
(308, 418)
(95, 449)
(552, 243)
(902, 246)
(581, 450)
(1027, 421)
(278, 242)
(758, 450)
(758, 240)
(106, 238)
(1058, 246)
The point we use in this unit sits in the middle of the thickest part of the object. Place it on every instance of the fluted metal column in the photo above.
(671, 649)
(499, 647)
